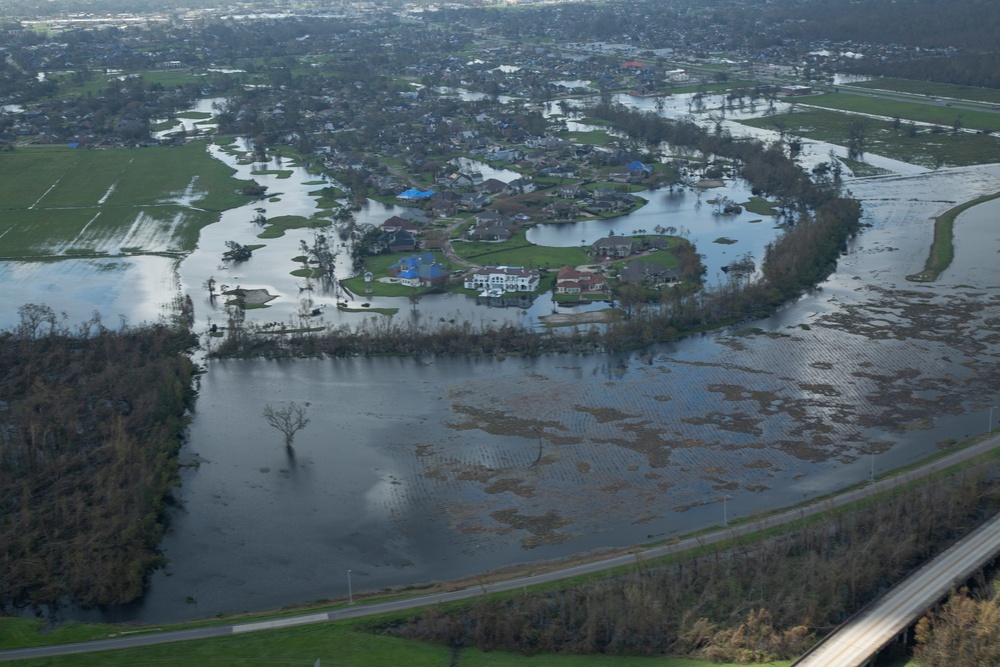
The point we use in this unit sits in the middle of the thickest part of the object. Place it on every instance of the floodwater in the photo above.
(421, 469)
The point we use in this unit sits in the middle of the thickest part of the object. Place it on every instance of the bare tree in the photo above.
(289, 419)
(210, 286)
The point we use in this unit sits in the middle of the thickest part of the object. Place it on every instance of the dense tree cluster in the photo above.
(964, 631)
(740, 603)
(90, 424)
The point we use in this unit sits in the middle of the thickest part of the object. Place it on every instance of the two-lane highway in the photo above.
(746, 528)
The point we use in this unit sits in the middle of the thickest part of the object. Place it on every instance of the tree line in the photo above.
(751, 600)
(91, 420)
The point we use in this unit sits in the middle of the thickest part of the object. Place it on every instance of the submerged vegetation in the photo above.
(90, 425)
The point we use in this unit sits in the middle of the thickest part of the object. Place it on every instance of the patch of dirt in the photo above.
(591, 317)
(542, 527)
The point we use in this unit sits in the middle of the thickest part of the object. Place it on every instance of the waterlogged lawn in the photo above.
(277, 226)
(63, 200)
(519, 252)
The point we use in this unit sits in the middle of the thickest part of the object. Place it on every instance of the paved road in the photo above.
(856, 641)
(508, 584)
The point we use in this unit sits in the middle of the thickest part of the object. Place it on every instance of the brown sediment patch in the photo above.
(822, 365)
(515, 486)
(604, 415)
(821, 389)
(756, 488)
(735, 422)
(256, 297)
(542, 527)
(647, 519)
(662, 398)
(733, 344)
(921, 424)
(592, 317)
(615, 487)
(583, 467)
(763, 464)
(424, 450)
(499, 422)
(726, 366)
(645, 440)
(685, 508)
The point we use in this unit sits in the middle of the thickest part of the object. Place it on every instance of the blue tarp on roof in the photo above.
(415, 194)
(635, 165)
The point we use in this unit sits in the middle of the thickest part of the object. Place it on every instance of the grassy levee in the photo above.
(932, 89)
(942, 250)
(58, 201)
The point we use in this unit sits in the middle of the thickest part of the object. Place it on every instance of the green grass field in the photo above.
(933, 89)
(922, 113)
(344, 644)
(519, 252)
(919, 146)
(59, 201)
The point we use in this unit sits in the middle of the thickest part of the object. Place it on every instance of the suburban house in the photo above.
(397, 223)
(561, 210)
(414, 195)
(502, 279)
(572, 191)
(474, 201)
(397, 241)
(519, 186)
(419, 271)
(492, 186)
(504, 154)
(615, 247)
(638, 272)
(638, 167)
(490, 226)
(456, 179)
(571, 281)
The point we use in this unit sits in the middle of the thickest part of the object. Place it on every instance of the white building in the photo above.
(505, 278)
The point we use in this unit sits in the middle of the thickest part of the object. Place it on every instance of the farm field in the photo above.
(69, 202)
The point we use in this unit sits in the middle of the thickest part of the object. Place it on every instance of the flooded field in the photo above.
(422, 469)
(431, 468)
